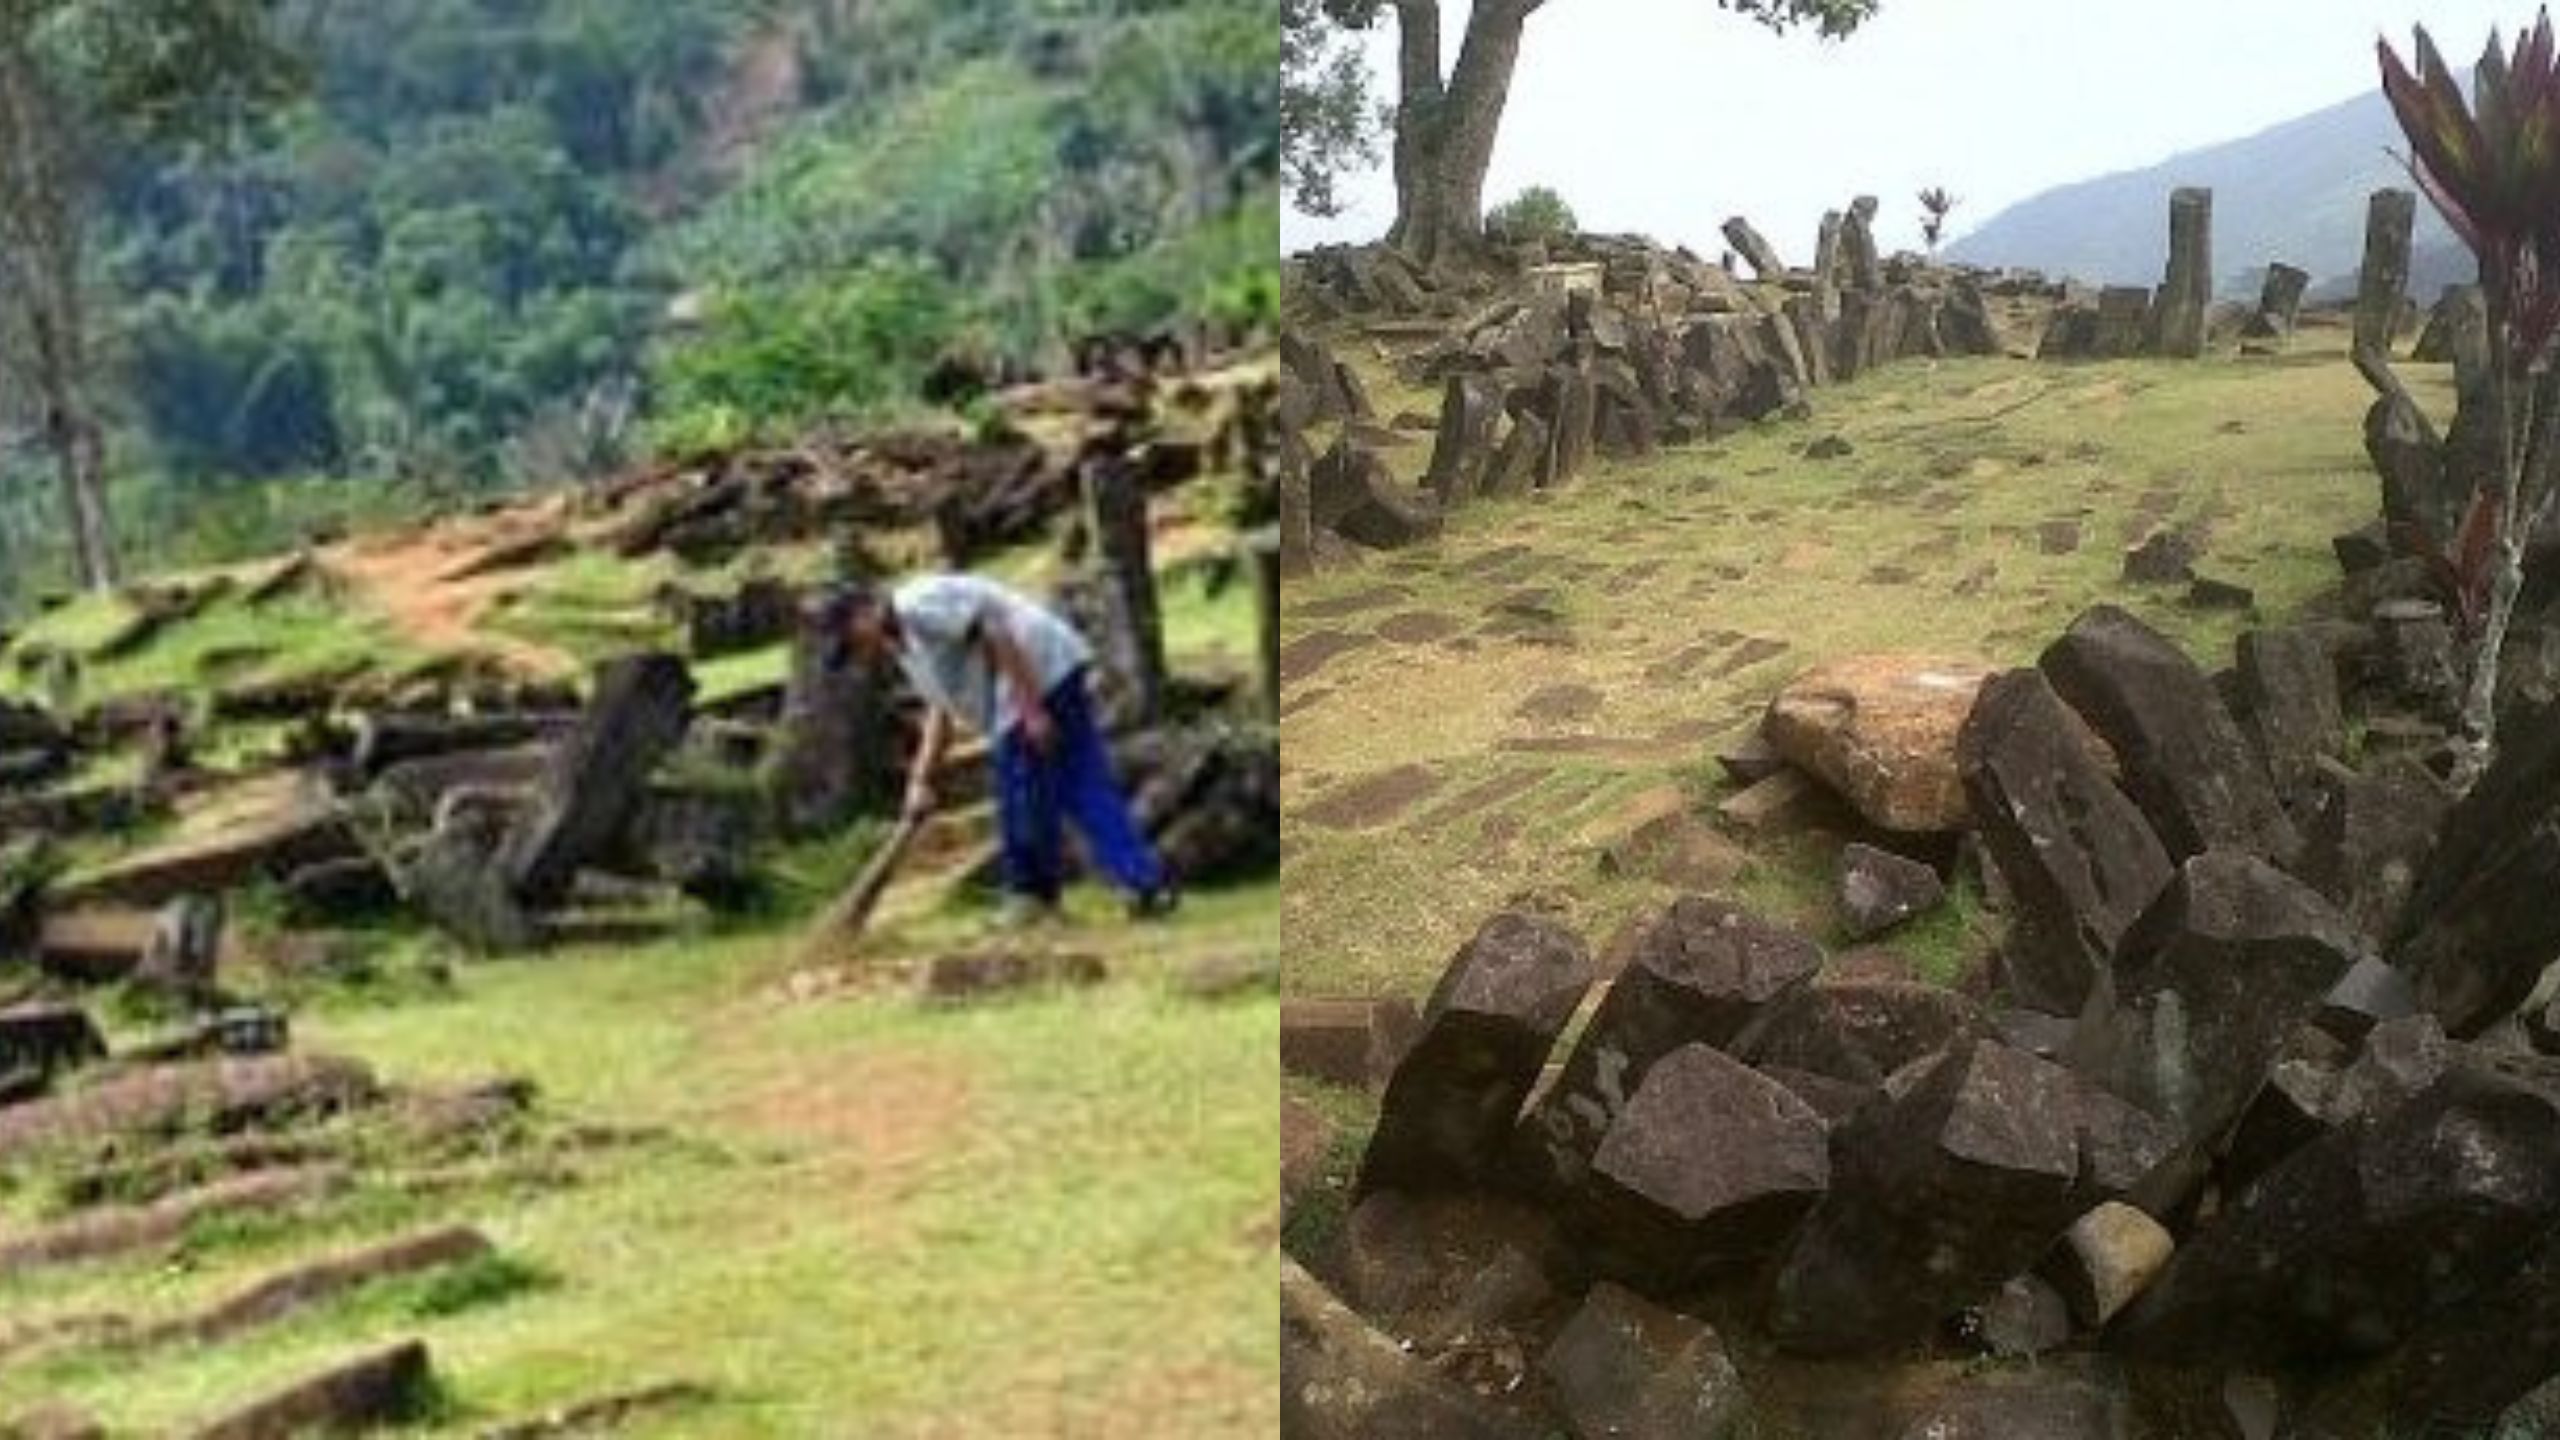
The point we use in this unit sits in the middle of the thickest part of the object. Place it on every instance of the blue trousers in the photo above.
(1035, 793)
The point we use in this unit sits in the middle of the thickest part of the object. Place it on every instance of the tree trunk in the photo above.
(40, 194)
(1444, 145)
(80, 459)
(1417, 106)
(2526, 412)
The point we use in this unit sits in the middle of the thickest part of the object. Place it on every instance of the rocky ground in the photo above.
(405, 1020)
(1927, 910)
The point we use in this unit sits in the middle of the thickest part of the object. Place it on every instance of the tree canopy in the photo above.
(506, 236)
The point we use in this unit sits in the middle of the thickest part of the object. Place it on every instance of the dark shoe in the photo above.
(1156, 904)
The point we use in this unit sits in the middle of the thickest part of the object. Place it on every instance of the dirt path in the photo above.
(435, 582)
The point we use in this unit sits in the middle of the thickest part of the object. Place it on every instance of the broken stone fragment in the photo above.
(1707, 1167)
(2106, 1258)
(1448, 1112)
(2205, 987)
(1959, 1177)
(1700, 973)
(1625, 1367)
(1880, 890)
(1341, 1379)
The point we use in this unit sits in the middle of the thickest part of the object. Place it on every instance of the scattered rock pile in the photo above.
(2261, 1106)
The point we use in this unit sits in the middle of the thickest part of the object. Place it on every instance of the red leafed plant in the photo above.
(2491, 167)
(2464, 571)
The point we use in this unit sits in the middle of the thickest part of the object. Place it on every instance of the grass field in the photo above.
(849, 1216)
(842, 1211)
(1467, 721)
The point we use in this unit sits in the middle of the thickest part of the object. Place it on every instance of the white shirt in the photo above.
(942, 619)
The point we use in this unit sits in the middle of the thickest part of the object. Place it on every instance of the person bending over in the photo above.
(989, 657)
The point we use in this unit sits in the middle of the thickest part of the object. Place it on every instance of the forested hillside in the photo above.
(505, 242)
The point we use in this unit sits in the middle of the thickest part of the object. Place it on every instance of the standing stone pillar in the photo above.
(1858, 247)
(1826, 268)
(2178, 312)
(1470, 411)
(836, 752)
(1262, 556)
(1124, 558)
(2388, 218)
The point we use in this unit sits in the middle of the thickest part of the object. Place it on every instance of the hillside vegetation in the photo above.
(451, 270)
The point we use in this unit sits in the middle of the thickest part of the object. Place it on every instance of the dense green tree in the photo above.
(78, 78)
(454, 267)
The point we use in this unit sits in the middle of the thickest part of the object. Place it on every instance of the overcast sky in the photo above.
(1665, 116)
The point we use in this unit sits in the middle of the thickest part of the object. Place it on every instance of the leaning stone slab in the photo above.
(1516, 464)
(216, 1097)
(1706, 1168)
(1625, 1367)
(2206, 985)
(1752, 246)
(2185, 761)
(1449, 1110)
(1700, 973)
(1961, 1176)
(1355, 498)
(2079, 860)
(372, 1391)
(2279, 302)
(599, 774)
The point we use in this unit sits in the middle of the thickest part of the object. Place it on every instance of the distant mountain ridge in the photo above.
(2294, 192)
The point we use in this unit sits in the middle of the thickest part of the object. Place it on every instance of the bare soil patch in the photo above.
(1372, 799)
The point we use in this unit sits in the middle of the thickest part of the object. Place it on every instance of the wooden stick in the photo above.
(843, 922)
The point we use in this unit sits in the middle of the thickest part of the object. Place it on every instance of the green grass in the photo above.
(730, 676)
(1205, 630)
(1043, 1215)
(1639, 581)
(590, 605)
(229, 642)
